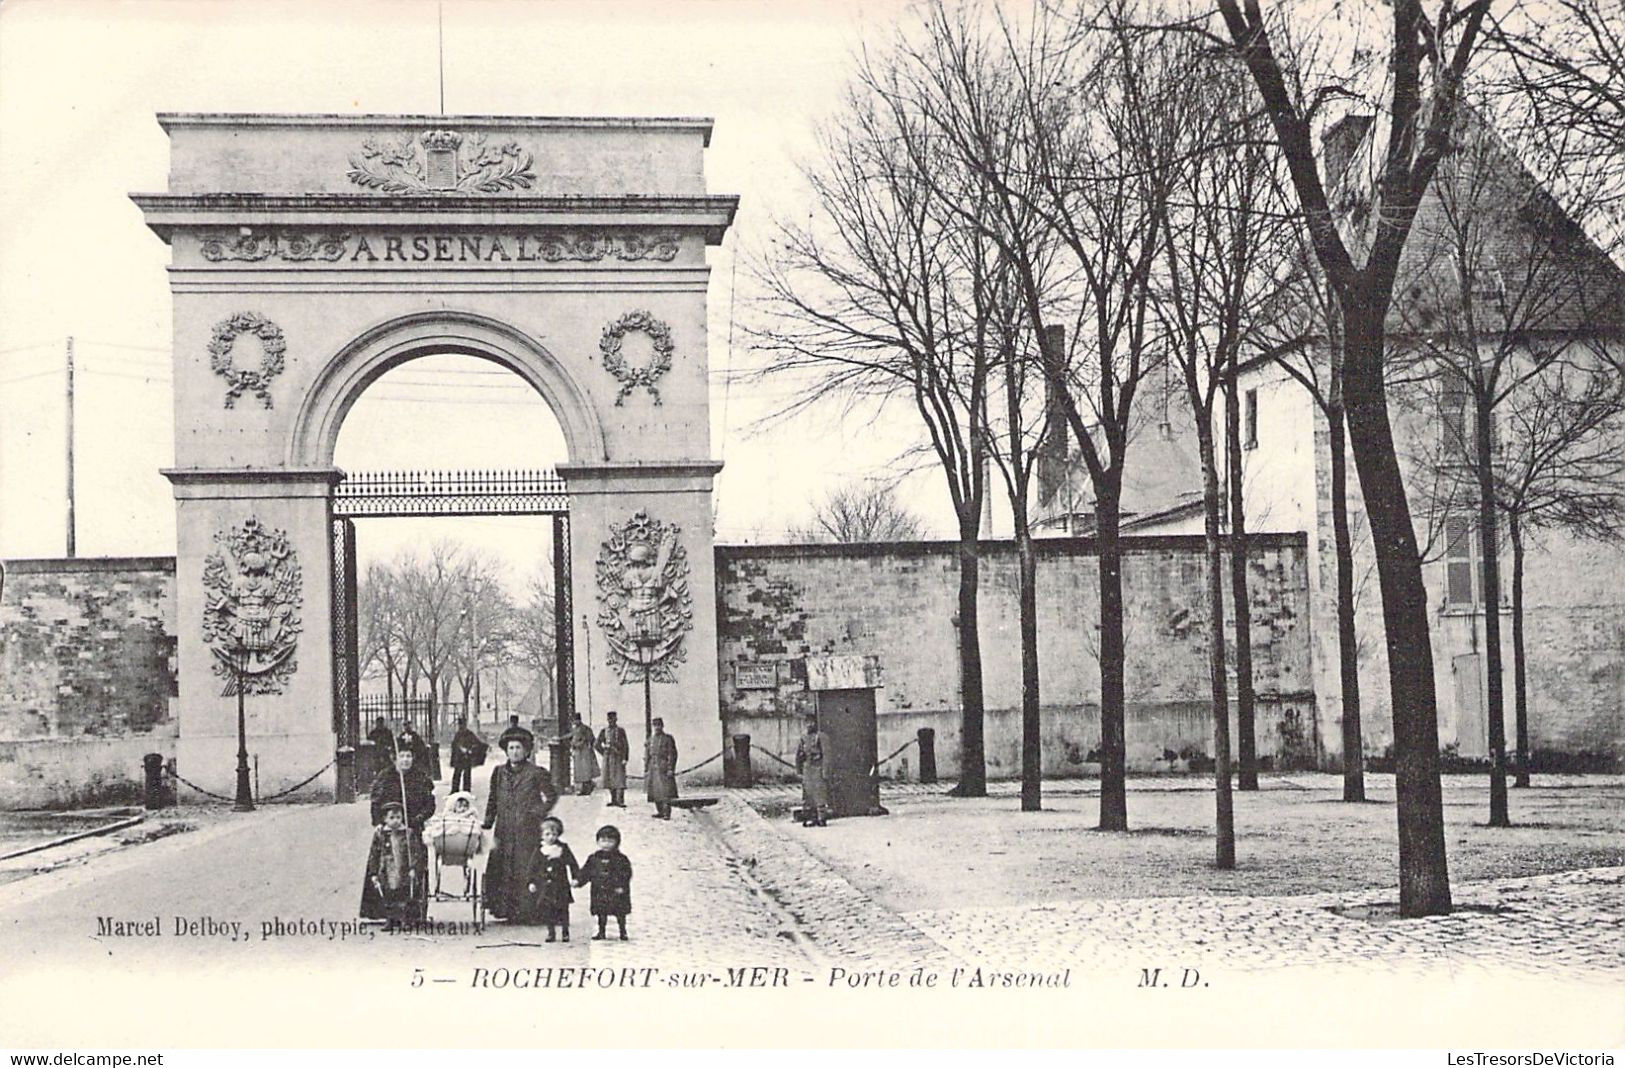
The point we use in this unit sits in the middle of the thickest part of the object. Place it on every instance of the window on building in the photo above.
(1460, 562)
(1250, 420)
(1453, 418)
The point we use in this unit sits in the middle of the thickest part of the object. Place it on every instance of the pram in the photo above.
(457, 841)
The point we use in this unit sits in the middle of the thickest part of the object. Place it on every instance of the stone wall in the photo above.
(897, 604)
(86, 676)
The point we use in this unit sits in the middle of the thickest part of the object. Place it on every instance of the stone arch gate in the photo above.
(312, 253)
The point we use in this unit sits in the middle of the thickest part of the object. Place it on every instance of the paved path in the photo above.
(268, 902)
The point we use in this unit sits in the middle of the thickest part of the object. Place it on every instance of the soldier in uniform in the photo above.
(660, 769)
(814, 787)
(583, 762)
(615, 749)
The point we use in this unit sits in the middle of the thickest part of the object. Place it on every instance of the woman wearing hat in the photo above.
(521, 796)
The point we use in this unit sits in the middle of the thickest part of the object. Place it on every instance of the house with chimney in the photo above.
(1496, 274)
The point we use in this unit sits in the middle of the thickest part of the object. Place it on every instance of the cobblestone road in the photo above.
(1571, 923)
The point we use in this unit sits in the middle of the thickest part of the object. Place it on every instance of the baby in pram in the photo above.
(454, 836)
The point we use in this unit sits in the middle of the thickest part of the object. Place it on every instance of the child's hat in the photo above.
(610, 831)
(394, 806)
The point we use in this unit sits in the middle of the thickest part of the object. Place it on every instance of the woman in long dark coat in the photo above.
(521, 796)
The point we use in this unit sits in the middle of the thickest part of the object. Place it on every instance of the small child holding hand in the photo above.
(610, 873)
(557, 867)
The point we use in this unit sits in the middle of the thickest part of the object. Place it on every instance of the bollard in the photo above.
(153, 765)
(928, 755)
(344, 782)
(737, 772)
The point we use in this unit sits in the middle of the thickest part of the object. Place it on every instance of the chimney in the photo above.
(1339, 142)
(1052, 451)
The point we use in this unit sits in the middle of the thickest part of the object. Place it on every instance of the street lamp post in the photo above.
(245, 795)
(646, 645)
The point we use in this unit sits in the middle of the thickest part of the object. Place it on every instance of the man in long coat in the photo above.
(467, 753)
(583, 762)
(613, 745)
(406, 786)
(521, 796)
(814, 786)
(383, 749)
(660, 769)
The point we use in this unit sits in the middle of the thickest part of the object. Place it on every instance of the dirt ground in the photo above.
(935, 852)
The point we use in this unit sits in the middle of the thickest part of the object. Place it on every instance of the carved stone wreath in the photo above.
(259, 381)
(615, 361)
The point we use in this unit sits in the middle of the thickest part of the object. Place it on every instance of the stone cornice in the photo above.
(166, 212)
(201, 483)
(171, 119)
(679, 476)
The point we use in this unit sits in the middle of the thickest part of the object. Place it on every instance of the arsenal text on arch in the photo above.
(406, 248)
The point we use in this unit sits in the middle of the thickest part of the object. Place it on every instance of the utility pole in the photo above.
(71, 539)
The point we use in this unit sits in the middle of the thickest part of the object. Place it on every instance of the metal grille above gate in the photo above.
(372, 494)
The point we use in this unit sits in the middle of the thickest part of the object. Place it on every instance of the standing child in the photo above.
(555, 871)
(610, 874)
(394, 888)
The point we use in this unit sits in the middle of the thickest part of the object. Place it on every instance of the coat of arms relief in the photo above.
(251, 607)
(644, 607)
(441, 161)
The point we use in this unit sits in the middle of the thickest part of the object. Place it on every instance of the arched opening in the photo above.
(394, 343)
(447, 614)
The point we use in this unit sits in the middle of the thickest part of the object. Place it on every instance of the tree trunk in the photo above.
(1224, 809)
(1032, 745)
(1032, 759)
(1246, 735)
(1348, 650)
(1490, 569)
(1113, 744)
(1424, 876)
(1520, 679)
(972, 752)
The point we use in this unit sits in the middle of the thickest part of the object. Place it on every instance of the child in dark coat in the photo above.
(555, 870)
(610, 874)
(394, 888)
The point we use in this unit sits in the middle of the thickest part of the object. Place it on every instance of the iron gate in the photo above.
(426, 494)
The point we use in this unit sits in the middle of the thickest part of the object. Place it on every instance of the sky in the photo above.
(81, 82)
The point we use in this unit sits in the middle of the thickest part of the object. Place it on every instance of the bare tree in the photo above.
(964, 72)
(1227, 225)
(1070, 182)
(1502, 289)
(434, 589)
(1427, 60)
(1301, 333)
(870, 302)
(484, 615)
(532, 635)
(1561, 85)
(1562, 468)
(860, 512)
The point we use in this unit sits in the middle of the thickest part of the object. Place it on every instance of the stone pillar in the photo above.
(604, 497)
(289, 731)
